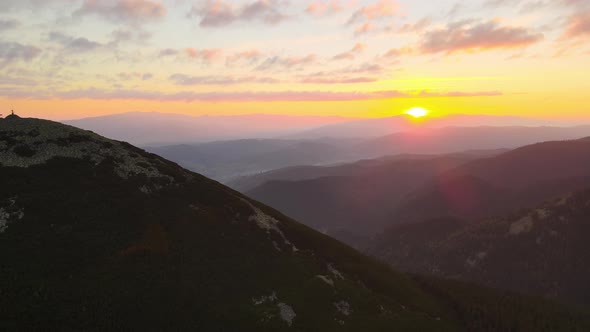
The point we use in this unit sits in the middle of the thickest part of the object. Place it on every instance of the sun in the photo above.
(417, 112)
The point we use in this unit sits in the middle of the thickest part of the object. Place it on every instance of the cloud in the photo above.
(364, 29)
(12, 52)
(75, 45)
(338, 80)
(8, 25)
(32, 5)
(380, 10)
(186, 80)
(244, 57)
(319, 8)
(578, 25)
(168, 52)
(218, 13)
(128, 76)
(123, 10)
(477, 37)
(135, 35)
(352, 54)
(278, 62)
(246, 96)
(416, 27)
(206, 55)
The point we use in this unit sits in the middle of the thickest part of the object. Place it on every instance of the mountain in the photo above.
(455, 139)
(402, 123)
(96, 234)
(542, 251)
(298, 173)
(355, 199)
(498, 185)
(227, 160)
(151, 128)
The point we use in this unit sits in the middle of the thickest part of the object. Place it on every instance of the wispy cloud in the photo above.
(338, 80)
(477, 37)
(245, 96)
(8, 24)
(279, 62)
(352, 53)
(218, 13)
(380, 10)
(207, 55)
(123, 10)
(319, 8)
(578, 25)
(186, 80)
(12, 52)
(72, 44)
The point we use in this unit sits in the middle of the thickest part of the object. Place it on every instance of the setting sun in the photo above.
(417, 112)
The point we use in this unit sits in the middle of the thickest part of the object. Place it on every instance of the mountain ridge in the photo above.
(97, 234)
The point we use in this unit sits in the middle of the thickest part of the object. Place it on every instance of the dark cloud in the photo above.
(217, 13)
(168, 52)
(11, 52)
(278, 62)
(123, 10)
(477, 37)
(72, 44)
(8, 24)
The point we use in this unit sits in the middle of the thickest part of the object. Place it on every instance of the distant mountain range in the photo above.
(361, 198)
(228, 160)
(355, 200)
(368, 128)
(156, 129)
(96, 234)
(151, 128)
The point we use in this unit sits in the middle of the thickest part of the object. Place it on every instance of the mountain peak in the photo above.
(26, 142)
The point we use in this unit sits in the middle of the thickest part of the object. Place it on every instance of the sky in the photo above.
(66, 59)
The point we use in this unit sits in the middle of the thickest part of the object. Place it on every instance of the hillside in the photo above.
(542, 251)
(359, 202)
(99, 235)
(365, 166)
(500, 184)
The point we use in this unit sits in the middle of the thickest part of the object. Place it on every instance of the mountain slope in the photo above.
(99, 235)
(542, 251)
(357, 203)
(497, 185)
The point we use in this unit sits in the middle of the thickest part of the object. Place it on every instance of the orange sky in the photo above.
(65, 59)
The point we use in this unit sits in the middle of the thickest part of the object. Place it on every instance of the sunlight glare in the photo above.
(417, 112)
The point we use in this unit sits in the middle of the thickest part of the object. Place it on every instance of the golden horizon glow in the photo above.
(417, 112)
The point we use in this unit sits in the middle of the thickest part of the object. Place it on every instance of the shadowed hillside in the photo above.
(99, 235)
(542, 251)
